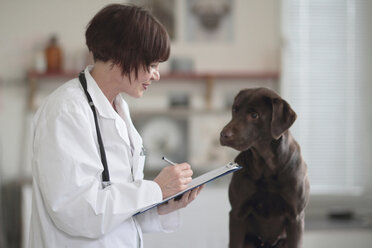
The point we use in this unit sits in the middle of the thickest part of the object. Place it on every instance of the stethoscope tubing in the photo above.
(105, 173)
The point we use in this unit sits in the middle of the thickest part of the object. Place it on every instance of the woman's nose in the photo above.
(155, 74)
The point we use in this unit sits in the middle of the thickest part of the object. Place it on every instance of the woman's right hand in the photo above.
(173, 179)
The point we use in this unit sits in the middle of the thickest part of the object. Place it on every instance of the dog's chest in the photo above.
(267, 199)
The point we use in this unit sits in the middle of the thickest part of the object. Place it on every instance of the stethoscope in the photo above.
(105, 174)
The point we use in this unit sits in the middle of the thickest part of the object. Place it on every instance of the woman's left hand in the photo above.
(173, 204)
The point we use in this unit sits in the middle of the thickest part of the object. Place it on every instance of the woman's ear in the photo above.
(282, 118)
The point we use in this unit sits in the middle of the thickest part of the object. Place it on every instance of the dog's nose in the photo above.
(226, 134)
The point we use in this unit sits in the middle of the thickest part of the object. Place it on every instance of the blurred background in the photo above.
(316, 53)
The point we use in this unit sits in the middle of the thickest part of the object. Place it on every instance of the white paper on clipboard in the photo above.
(200, 180)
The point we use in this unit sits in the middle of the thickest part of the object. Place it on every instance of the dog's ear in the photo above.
(282, 118)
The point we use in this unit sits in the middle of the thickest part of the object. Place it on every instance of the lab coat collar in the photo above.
(105, 110)
(123, 111)
(135, 138)
(100, 101)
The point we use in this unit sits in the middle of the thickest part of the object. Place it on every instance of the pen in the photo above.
(168, 161)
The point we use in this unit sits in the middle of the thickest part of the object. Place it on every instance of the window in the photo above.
(325, 77)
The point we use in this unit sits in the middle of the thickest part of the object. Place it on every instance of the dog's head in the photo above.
(258, 115)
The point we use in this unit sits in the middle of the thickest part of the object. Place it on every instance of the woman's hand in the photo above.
(173, 179)
(173, 204)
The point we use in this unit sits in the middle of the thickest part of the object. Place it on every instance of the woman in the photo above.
(74, 204)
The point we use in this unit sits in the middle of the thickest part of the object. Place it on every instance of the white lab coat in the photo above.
(70, 208)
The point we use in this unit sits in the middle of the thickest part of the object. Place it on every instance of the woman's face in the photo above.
(145, 77)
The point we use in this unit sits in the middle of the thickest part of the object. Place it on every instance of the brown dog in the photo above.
(269, 194)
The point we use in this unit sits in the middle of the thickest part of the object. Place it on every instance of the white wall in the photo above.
(27, 24)
(255, 45)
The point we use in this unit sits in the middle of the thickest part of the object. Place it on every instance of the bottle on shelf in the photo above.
(53, 54)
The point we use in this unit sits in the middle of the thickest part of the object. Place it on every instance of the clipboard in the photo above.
(198, 181)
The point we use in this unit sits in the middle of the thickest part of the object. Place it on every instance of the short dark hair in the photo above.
(129, 36)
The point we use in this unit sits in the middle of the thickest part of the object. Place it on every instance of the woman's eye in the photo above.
(254, 115)
(235, 109)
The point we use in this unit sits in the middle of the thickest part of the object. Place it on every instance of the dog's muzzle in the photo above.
(226, 137)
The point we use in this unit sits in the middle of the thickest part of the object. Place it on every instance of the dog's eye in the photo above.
(254, 115)
(235, 109)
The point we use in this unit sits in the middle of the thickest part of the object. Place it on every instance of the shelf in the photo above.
(46, 75)
(174, 75)
(223, 75)
(208, 78)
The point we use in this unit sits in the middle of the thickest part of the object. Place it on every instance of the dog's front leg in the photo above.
(295, 230)
(237, 231)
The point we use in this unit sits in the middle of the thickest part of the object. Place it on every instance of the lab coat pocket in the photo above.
(140, 164)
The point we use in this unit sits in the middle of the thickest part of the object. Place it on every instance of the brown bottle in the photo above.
(53, 56)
